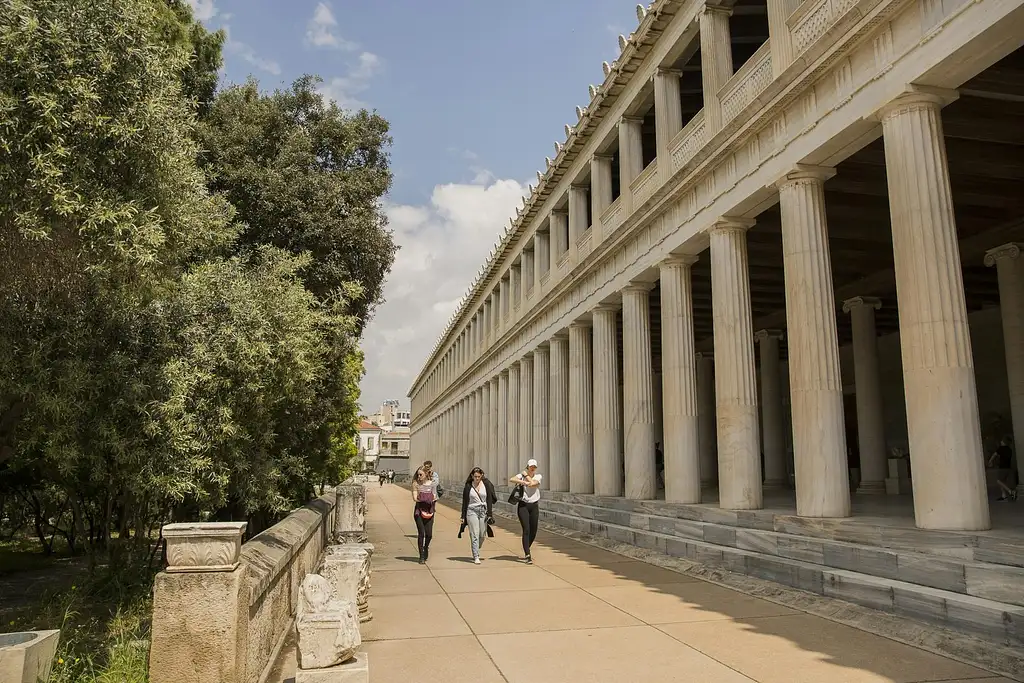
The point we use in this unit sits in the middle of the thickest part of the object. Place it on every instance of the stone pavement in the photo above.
(581, 613)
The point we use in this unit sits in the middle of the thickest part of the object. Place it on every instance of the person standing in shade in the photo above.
(528, 508)
(424, 501)
(478, 497)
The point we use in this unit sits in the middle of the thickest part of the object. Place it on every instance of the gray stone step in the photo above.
(1002, 583)
(990, 619)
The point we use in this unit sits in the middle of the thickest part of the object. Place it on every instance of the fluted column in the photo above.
(739, 447)
(668, 116)
(679, 382)
(542, 257)
(1010, 272)
(494, 470)
(874, 462)
(541, 412)
(559, 243)
(501, 427)
(503, 304)
(608, 458)
(513, 464)
(631, 157)
(638, 393)
(780, 35)
(581, 410)
(525, 409)
(938, 368)
(579, 198)
(773, 435)
(715, 62)
(601, 184)
(815, 381)
(483, 448)
(558, 423)
(707, 422)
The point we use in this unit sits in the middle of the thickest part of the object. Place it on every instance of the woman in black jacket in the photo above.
(478, 500)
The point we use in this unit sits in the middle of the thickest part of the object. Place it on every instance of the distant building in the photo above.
(390, 416)
(394, 450)
(368, 442)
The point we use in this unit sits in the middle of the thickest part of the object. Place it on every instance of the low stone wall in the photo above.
(221, 610)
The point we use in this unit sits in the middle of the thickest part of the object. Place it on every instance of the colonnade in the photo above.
(564, 403)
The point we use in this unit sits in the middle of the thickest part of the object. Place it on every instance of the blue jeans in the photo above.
(476, 521)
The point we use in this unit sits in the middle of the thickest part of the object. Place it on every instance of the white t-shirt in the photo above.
(530, 495)
(478, 496)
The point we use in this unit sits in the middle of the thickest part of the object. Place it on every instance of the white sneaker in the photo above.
(476, 560)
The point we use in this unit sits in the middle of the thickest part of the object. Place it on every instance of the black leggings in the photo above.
(424, 531)
(529, 518)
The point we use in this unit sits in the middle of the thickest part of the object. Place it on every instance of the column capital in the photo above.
(561, 335)
(633, 287)
(805, 173)
(580, 324)
(606, 308)
(560, 212)
(631, 119)
(861, 301)
(713, 8)
(730, 224)
(603, 156)
(1010, 250)
(668, 71)
(916, 97)
(579, 187)
(763, 335)
(680, 260)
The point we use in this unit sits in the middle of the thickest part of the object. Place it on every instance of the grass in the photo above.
(103, 615)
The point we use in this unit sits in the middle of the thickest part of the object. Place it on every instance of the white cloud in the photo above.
(344, 89)
(245, 52)
(203, 10)
(320, 29)
(443, 244)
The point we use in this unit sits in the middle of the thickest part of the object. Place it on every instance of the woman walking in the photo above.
(478, 497)
(528, 509)
(424, 499)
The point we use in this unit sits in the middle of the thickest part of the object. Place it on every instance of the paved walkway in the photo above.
(581, 613)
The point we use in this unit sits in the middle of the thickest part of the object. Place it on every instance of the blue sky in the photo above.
(476, 93)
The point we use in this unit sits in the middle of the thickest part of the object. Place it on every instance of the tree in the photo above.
(306, 177)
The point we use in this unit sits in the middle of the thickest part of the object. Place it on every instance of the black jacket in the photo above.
(492, 497)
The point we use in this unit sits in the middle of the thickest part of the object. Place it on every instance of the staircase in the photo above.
(969, 582)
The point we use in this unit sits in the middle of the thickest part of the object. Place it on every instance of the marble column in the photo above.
(483, 448)
(773, 435)
(579, 198)
(631, 156)
(608, 458)
(541, 413)
(581, 409)
(638, 393)
(542, 257)
(513, 463)
(815, 381)
(707, 421)
(495, 468)
(668, 113)
(1010, 272)
(501, 472)
(559, 243)
(780, 35)
(526, 408)
(739, 443)
(715, 62)
(558, 422)
(874, 461)
(600, 184)
(938, 368)
(504, 301)
(529, 276)
(679, 382)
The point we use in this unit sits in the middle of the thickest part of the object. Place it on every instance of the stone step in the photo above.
(1002, 583)
(987, 547)
(990, 619)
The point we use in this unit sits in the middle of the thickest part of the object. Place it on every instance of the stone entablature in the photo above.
(862, 55)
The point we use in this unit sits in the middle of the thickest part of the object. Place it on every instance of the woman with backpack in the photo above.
(478, 499)
(527, 497)
(424, 496)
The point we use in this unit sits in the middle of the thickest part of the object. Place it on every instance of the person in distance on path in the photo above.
(424, 501)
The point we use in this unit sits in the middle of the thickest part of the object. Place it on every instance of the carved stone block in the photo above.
(356, 670)
(327, 626)
(346, 567)
(350, 514)
(203, 546)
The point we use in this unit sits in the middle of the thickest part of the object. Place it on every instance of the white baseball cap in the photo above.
(531, 463)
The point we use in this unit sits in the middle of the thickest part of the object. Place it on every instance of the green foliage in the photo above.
(307, 177)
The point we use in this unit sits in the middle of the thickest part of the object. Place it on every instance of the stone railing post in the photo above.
(350, 513)
(200, 606)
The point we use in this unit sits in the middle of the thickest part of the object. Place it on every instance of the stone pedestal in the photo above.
(26, 657)
(898, 481)
(558, 422)
(943, 423)
(608, 463)
(350, 513)
(347, 568)
(581, 410)
(355, 670)
(200, 606)
(739, 443)
(327, 625)
(679, 381)
(815, 382)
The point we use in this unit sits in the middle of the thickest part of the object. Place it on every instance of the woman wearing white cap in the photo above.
(527, 485)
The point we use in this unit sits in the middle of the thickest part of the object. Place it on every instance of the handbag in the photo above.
(516, 496)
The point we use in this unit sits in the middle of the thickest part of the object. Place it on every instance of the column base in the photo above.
(872, 488)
